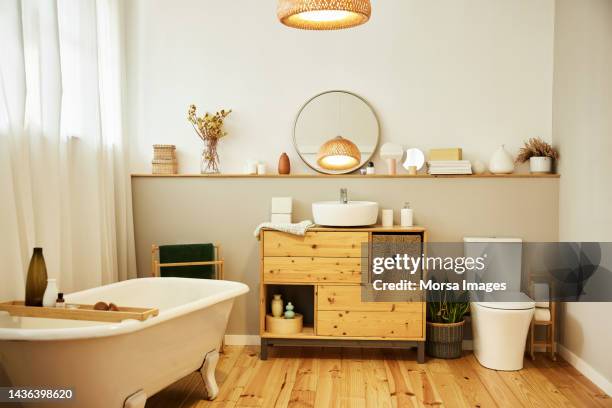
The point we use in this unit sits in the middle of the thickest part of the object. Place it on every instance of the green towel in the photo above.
(187, 253)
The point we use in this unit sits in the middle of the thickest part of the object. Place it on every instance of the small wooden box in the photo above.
(454, 153)
(280, 325)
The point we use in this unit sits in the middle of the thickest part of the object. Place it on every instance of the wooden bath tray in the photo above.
(83, 312)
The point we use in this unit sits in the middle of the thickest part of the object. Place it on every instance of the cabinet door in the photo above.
(336, 244)
(340, 312)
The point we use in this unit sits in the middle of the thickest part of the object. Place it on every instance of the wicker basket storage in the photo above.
(444, 340)
(164, 152)
(164, 159)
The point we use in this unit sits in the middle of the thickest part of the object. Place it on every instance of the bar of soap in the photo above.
(454, 153)
(282, 205)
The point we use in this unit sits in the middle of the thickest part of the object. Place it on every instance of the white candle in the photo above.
(387, 218)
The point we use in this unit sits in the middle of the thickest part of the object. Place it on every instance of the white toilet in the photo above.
(500, 320)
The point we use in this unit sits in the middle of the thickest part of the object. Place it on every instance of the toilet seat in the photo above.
(507, 301)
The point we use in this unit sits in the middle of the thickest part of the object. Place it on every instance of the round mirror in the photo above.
(336, 132)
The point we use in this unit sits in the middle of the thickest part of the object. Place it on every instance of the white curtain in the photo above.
(64, 182)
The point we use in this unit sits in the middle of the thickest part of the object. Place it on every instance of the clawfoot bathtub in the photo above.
(121, 364)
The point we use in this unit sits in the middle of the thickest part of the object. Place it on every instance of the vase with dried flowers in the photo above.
(210, 129)
(539, 154)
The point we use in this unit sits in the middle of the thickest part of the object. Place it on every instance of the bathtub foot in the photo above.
(208, 374)
(136, 400)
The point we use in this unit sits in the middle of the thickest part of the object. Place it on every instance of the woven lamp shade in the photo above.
(338, 154)
(323, 14)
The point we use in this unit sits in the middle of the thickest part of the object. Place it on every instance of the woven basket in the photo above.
(164, 152)
(444, 340)
(165, 167)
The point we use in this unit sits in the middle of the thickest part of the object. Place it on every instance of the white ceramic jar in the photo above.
(501, 162)
(540, 164)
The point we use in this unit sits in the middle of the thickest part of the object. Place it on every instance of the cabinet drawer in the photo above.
(311, 270)
(348, 298)
(341, 244)
(395, 324)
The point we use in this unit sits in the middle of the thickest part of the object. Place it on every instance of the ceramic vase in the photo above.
(284, 164)
(540, 164)
(277, 306)
(50, 295)
(289, 313)
(501, 162)
(36, 282)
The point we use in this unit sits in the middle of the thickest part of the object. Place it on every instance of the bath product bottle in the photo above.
(277, 306)
(289, 313)
(51, 293)
(406, 217)
(60, 302)
(370, 169)
(36, 282)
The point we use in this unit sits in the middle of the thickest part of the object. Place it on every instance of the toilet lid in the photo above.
(507, 301)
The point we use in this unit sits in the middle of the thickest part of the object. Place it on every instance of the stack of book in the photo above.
(449, 167)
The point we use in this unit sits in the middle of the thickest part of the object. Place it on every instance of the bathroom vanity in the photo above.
(321, 274)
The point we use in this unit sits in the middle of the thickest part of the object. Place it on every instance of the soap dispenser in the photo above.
(406, 216)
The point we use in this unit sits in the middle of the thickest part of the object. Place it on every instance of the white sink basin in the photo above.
(351, 214)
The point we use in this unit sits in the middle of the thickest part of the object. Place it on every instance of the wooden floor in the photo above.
(314, 377)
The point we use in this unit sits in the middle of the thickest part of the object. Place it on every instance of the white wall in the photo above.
(469, 73)
(583, 130)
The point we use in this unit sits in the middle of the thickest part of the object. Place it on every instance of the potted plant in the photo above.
(445, 324)
(540, 155)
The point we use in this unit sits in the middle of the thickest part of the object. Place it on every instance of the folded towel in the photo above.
(187, 253)
(541, 314)
(296, 229)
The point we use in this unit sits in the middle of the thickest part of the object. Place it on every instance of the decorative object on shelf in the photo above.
(406, 216)
(323, 14)
(445, 325)
(478, 167)
(209, 128)
(164, 159)
(36, 281)
(412, 170)
(338, 154)
(391, 153)
(289, 313)
(501, 162)
(280, 325)
(250, 167)
(363, 171)
(540, 155)
(454, 153)
(370, 170)
(51, 293)
(414, 157)
(449, 167)
(262, 168)
(387, 217)
(336, 113)
(277, 306)
(284, 164)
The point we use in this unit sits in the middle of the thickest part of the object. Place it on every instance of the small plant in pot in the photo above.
(445, 324)
(539, 154)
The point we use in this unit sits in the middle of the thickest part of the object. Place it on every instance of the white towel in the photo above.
(299, 228)
(541, 315)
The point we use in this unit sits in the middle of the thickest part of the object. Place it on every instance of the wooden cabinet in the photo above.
(323, 271)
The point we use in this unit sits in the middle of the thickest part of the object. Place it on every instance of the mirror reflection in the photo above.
(336, 132)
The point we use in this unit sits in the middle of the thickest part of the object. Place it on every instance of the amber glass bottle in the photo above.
(36, 282)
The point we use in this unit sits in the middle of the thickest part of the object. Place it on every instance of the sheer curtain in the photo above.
(64, 182)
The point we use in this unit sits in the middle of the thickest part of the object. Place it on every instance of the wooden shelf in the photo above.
(307, 333)
(372, 176)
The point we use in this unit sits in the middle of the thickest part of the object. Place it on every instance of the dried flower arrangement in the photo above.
(536, 147)
(210, 129)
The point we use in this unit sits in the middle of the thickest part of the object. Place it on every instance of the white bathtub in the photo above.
(121, 364)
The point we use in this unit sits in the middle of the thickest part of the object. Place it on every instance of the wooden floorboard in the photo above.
(371, 378)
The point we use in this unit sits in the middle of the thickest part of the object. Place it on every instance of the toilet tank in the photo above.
(503, 260)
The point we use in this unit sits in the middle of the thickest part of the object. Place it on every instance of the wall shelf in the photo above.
(397, 176)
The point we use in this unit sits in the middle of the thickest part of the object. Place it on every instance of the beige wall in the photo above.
(466, 73)
(227, 210)
(583, 130)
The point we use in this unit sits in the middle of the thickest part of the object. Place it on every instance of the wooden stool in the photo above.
(550, 342)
